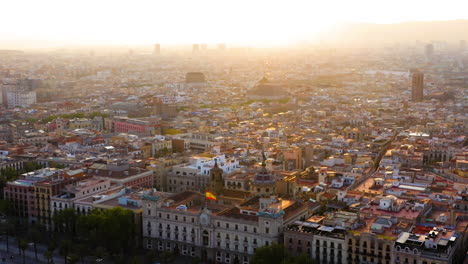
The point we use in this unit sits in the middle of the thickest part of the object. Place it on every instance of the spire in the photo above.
(264, 159)
(216, 163)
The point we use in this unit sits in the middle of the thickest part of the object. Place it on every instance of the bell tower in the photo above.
(216, 179)
(264, 184)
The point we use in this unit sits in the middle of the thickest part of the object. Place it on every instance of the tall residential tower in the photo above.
(417, 88)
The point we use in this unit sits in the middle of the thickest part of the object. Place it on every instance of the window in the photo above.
(149, 212)
(267, 230)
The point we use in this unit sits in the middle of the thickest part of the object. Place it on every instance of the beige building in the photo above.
(226, 230)
(218, 231)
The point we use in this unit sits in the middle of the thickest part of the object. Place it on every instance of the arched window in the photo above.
(205, 236)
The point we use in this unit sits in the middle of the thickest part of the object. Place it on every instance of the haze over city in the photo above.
(53, 23)
(233, 132)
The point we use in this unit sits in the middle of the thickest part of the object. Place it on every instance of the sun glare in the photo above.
(205, 21)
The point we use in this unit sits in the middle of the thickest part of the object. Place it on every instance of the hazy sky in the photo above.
(209, 21)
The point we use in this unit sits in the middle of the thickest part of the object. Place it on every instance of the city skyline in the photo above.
(234, 132)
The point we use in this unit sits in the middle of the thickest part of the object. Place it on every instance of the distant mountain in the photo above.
(378, 34)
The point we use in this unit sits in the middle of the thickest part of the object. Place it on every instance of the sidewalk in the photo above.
(29, 252)
(5, 258)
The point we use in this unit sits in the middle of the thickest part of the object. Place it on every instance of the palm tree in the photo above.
(6, 228)
(100, 252)
(65, 248)
(49, 256)
(168, 257)
(35, 235)
(73, 259)
(23, 245)
(82, 250)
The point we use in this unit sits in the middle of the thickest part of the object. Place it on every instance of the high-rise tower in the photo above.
(429, 50)
(195, 48)
(417, 88)
(157, 49)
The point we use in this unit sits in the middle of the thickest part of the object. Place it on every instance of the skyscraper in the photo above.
(195, 48)
(462, 45)
(204, 47)
(417, 87)
(157, 49)
(222, 46)
(429, 50)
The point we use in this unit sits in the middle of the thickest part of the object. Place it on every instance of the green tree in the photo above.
(50, 251)
(65, 221)
(6, 175)
(35, 235)
(82, 250)
(53, 164)
(94, 114)
(23, 245)
(73, 259)
(9, 173)
(65, 248)
(276, 254)
(273, 254)
(49, 255)
(302, 259)
(135, 260)
(6, 209)
(100, 253)
(167, 257)
(196, 260)
(31, 166)
(6, 228)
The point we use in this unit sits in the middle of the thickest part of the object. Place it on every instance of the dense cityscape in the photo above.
(219, 154)
(348, 150)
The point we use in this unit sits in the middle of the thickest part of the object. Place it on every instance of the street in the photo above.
(5, 257)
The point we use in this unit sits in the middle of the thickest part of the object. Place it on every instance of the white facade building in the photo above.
(195, 174)
(20, 98)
